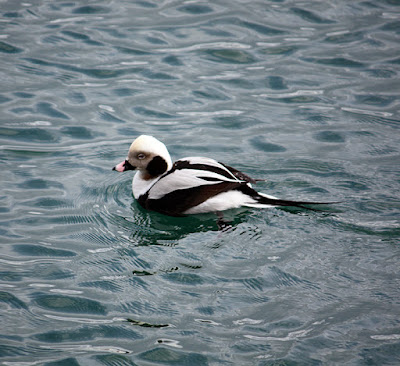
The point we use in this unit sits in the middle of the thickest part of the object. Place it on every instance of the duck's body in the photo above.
(191, 185)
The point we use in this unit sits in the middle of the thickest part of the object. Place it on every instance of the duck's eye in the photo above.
(141, 156)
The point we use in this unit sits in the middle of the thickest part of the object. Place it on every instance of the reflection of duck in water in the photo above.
(191, 185)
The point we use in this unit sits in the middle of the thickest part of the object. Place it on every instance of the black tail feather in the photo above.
(279, 202)
(266, 200)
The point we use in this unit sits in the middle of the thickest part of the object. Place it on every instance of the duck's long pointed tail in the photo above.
(264, 200)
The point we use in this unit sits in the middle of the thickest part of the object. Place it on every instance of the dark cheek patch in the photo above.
(157, 166)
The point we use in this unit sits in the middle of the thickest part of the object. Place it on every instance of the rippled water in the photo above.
(302, 94)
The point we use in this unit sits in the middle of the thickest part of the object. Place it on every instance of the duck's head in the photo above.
(147, 155)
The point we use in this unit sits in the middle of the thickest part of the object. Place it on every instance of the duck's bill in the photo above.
(125, 165)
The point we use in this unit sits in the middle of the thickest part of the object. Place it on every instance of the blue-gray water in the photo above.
(302, 94)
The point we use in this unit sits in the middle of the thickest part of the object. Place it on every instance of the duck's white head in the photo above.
(147, 155)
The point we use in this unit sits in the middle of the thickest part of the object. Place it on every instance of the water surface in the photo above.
(302, 94)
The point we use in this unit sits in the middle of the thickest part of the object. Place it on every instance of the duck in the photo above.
(191, 185)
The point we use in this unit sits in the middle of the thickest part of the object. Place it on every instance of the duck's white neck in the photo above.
(140, 185)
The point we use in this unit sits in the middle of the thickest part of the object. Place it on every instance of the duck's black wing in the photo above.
(190, 182)
(240, 175)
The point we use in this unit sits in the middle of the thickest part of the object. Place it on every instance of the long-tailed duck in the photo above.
(191, 185)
